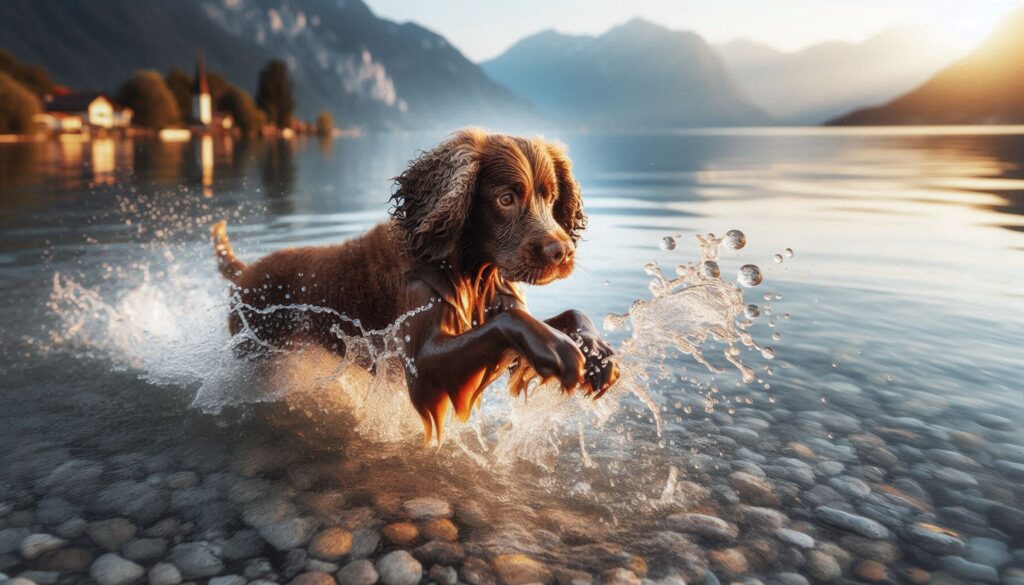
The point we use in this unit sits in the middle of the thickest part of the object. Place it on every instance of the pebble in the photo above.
(227, 580)
(753, 489)
(164, 574)
(110, 569)
(401, 533)
(421, 508)
(965, 569)
(34, 545)
(934, 539)
(795, 538)
(331, 544)
(399, 568)
(870, 571)
(364, 542)
(244, 544)
(883, 551)
(851, 487)
(863, 526)
(289, 533)
(197, 560)
(440, 553)
(517, 569)
(443, 575)
(790, 579)
(311, 578)
(988, 551)
(66, 560)
(361, 572)
(111, 534)
(1008, 519)
(704, 526)
(144, 549)
(440, 529)
(11, 538)
(620, 576)
(72, 529)
(730, 560)
(755, 518)
(822, 567)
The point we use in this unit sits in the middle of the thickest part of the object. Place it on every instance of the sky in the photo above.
(483, 29)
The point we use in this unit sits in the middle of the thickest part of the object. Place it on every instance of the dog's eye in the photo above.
(506, 200)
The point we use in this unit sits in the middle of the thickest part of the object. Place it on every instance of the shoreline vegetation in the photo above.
(172, 107)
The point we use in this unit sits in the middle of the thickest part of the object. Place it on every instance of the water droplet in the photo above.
(613, 321)
(710, 269)
(732, 350)
(651, 268)
(788, 252)
(752, 312)
(777, 258)
(668, 243)
(735, 239)
(768, 353)
(408, 339)
(776, 336)
(749, 275)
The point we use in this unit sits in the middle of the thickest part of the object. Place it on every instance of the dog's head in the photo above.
(492, 198)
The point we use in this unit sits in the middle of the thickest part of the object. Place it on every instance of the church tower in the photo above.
(202, 104)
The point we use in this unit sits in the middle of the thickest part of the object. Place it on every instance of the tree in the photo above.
(33, 77)
(325, 124)
(153, 104)
(17, 106)
(274, 93)
(180, 84)
(239, 104)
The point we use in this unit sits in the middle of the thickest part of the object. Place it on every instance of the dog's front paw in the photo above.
(601, 370)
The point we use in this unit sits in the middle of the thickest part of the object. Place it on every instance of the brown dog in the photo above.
(472, 218)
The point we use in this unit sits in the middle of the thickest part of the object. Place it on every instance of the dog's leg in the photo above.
(602, 372)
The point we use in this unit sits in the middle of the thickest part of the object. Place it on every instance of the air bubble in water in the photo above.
(749, 275)
(710, 269)
(768, 353)
(752, 312)
(668, 243)
(735, 239)
(777, 258)
(788, 252)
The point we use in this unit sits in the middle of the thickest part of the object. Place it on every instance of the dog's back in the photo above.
(298, 295)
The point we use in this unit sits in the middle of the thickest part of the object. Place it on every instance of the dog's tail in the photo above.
(230, 266)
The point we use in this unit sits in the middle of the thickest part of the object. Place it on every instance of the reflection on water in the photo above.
(889, 390)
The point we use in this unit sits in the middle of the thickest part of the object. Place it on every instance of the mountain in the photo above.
(827, 79)
(635, 75)
(983, 88)
(365, 70)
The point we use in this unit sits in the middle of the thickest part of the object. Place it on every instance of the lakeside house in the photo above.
(82, 113)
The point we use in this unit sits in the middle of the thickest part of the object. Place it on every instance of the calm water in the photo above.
(902, 301)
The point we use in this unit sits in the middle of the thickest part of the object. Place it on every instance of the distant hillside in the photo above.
(366, 70)
(819, 82)
(635, 75)
(986, 87)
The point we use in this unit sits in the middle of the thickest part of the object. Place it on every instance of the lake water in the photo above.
(895, 393)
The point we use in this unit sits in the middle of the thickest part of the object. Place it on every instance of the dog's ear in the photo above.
(434, 195)
(568, 210)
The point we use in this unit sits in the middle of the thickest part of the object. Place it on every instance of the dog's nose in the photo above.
(558, 251)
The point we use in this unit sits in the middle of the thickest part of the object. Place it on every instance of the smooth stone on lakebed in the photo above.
(753, 489)
(934, 539)
(110, 569)
(965, 569)
(399, 568)
(421, 508)
(988, 551)
(331, 544)
(35, 545)
(361, 572)
(111, 534)
(821, 566)
(227, 580)
(289, 533)
(795, 538)
(517, 569)
(144, 549)
(865, 527)
(708, 527)
(197, 560)
(164, 574)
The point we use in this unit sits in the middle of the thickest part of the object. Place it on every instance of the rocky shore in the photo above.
(864, 487)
